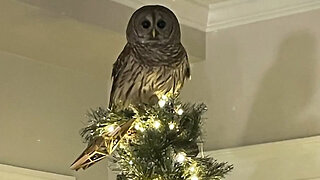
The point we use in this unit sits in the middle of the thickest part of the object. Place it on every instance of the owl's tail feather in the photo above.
(101, 147)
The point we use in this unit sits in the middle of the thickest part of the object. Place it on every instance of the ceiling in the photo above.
(209, 2)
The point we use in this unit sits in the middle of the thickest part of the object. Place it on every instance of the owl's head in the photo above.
(153, 24)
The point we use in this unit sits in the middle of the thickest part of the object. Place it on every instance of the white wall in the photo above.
(42, 109)
(287, 160)
(16, 173)
(261, 82)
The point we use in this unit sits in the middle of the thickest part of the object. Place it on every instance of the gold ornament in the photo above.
(101, 146)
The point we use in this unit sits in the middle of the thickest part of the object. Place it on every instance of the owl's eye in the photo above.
(161, 24)
(146, 24)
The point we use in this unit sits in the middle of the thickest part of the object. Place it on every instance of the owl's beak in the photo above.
(153, 33)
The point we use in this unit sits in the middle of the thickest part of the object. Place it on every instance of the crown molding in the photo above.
(233, 13)
(215, 15)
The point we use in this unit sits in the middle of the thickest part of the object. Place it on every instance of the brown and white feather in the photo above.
(142, 73)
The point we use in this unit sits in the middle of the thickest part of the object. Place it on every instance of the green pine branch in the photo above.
(159, 137)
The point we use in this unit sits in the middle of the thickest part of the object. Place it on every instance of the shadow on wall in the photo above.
(217, 82)
(284, 92)
(93, 12)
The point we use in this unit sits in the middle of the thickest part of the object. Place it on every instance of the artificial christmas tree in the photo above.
(160, 144)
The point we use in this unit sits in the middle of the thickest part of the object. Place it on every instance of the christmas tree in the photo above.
(161, 142)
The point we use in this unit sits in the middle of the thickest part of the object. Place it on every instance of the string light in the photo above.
(162, 103)
(164, 97)
(171, 125)
(194, 177)
(181, 157)
(111, 128)
(137, 127)
(156, 124)
(180, 111)
(130, 162)
(192, 169)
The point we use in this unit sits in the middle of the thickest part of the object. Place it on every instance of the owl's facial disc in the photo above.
(153, 28)
(153, 24)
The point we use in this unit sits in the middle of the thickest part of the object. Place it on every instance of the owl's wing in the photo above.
(187, 70)
(117, 68)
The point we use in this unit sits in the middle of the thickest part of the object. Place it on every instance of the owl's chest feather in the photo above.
(142, 76)
(157, 79)
(161, 55)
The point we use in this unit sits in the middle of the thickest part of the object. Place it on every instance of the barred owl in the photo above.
(153, 62)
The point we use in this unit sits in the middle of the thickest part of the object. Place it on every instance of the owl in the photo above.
(153, 63)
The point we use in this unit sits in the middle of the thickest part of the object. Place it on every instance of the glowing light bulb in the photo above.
(180, 111)
(171, 126)
(130, 162)
(111, 128)
(162, 103)
(164, 97)
(137, 127)
(192, 169)
(156, 124)
(194, 177)
(181, 157)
